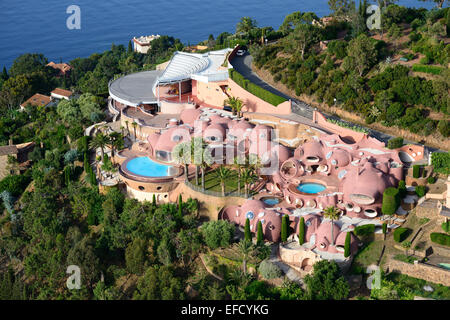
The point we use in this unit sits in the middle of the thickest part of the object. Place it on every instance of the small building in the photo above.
(64, 68)
(143, 43)
(60, 94)
(19, 152)
(37, 100)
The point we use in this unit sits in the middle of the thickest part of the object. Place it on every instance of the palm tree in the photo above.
(198, 146)
(181, 153)
(206, 162)
(238, 165)
(248, 177)
(223, 173)
(116, 143)
(128, 129)
(245, 248)
(331, 213)
(134, 124)
(239, 105)
(100, 141)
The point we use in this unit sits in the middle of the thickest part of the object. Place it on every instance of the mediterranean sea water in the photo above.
(40, 26)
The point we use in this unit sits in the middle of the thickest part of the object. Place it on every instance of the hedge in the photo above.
(446, 226)
(301, 231)
(441, 162)
(395, 143)
(440, 238)
(427, 69)
(284, 228)
(416, 171)
(247, 232)
(420, 191)
(401, 234)
(402, 188)
(391, 201)
(364, 230)
(347, 245)
(261, 93)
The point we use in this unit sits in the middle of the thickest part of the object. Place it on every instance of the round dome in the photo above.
(188, 116)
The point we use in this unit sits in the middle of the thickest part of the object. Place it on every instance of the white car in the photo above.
(240, 53)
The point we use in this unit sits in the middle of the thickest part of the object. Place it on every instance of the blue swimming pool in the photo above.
(310, 187)
(146, 167)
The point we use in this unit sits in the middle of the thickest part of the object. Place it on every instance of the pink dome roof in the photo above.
(341, 158)
(188, 116)
(253, 205)
(283, 153)
(369, 181)
(172, 137)
(215, 130)
(261, 132)
(324, 232)
(313, 148)
(153, 138)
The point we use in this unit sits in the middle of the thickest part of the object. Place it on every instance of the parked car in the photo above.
(240, 52)
(227, 108)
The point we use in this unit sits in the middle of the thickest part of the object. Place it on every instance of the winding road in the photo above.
(243, 65)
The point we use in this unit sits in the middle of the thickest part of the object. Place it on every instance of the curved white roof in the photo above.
(182, 66)
(203, 67)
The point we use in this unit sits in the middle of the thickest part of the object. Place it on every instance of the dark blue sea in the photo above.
(40, 26)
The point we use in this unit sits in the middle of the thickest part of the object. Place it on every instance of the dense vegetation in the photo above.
(357, 71)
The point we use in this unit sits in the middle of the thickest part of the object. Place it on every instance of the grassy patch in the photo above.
(404, 258)
(404, 282)
(427, 69)
(212, 182)
(368, 255)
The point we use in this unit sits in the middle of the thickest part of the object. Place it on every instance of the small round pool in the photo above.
(146, 167)
(310, 187)
(271, 201)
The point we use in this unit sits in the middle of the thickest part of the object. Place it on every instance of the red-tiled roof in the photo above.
(37, 100)
(62, 92)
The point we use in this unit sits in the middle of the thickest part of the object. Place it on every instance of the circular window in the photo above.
(158, 188)
(165, 196)
(250, 215)
(323, 245)
(141, 188)
(308, 223)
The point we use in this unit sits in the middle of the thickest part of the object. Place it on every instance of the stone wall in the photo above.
(210, 206)
(420, 270)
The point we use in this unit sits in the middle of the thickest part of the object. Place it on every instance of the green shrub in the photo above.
(347, 245)
(269, 270)
(259, 234)
(400, 234)
(284, 228)
(446, 226)
(364, 230)
(444, 127)
(301, 231)
(261, 93)
(384, 227)
(390, 201)
(431, 179)
(440, 238)
(395, 143)
(217, 233)
(427, 69)
(402, 189)
(441, 162)
(420, 191)
(247, 232)
(416, 171)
